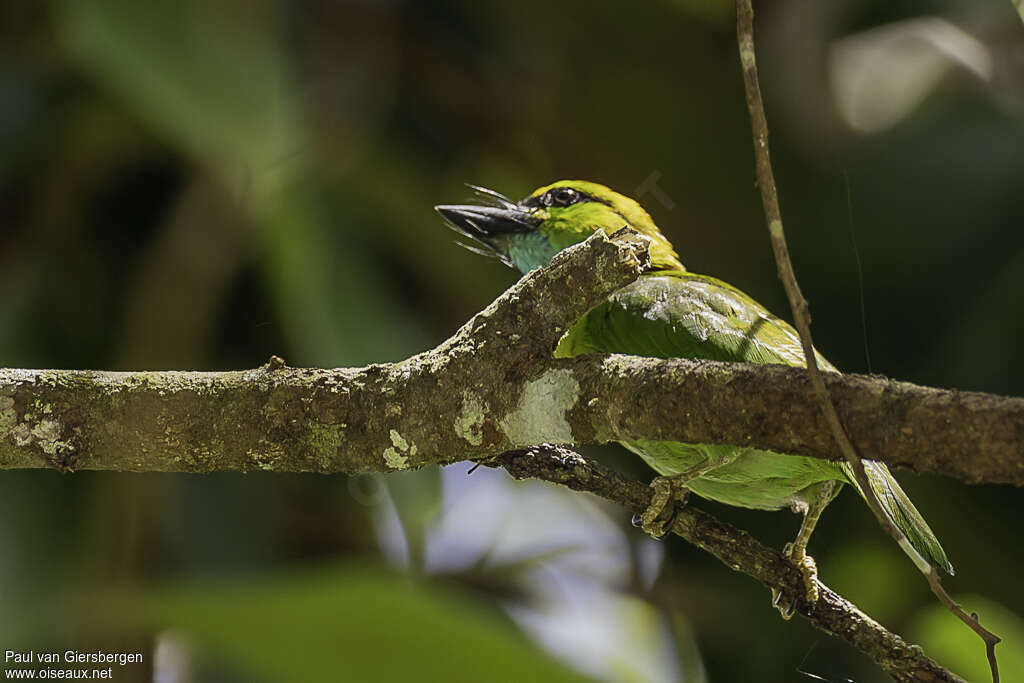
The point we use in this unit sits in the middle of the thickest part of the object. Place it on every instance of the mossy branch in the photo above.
(493, 388)
(740, 551)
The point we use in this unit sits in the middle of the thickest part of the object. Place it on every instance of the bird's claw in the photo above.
(809, 569)
(786, 607)
(668, 491)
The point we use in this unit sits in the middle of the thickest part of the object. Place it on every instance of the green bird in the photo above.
(670, 312)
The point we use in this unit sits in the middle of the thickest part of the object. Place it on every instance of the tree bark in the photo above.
(739, 551)
(493, 390)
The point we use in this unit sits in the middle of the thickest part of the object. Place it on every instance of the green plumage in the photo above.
(677, 314)
(672, 313)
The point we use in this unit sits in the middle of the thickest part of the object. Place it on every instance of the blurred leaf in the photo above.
(612, 636)
(880, 580)
(879, 77)
(980, 325)
(210, 78)
(338, 307)
(958, 648)
(684, 637)
(417, 498)
(357, 624)
(217, 85)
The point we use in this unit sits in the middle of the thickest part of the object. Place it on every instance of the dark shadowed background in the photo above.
(199, 185)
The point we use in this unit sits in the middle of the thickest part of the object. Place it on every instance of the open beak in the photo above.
(481, 222)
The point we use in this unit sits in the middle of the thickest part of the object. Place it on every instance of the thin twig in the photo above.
(739, 551)
(801, 312)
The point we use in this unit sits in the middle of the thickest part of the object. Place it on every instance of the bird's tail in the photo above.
(919, 541)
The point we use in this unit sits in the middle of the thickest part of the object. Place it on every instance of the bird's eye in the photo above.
(561, 196)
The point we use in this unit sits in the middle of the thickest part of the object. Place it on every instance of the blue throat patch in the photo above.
(530, 250)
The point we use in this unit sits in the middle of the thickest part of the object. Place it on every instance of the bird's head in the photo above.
(527, 234)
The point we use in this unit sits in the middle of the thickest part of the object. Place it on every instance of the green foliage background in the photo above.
(198, 185)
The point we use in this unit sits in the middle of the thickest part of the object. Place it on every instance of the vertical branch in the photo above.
(802, 316)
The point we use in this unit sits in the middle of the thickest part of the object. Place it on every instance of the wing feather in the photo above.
(676, 314)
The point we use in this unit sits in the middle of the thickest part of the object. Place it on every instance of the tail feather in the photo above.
(920, 542)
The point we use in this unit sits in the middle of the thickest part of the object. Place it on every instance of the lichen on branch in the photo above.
(493, 386)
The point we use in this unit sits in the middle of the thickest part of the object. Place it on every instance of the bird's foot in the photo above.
(669, 494)
(809, 569)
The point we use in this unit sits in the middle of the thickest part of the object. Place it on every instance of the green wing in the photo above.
(675, 314)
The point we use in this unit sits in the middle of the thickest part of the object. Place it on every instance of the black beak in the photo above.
(481, 222)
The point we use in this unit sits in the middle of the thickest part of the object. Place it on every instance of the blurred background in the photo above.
(199, 185)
